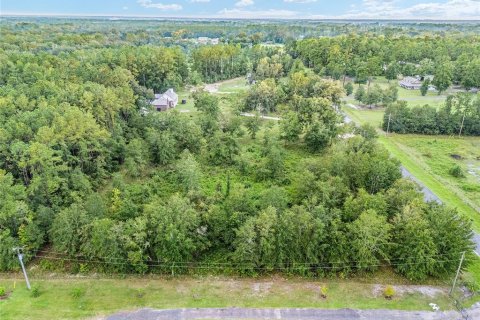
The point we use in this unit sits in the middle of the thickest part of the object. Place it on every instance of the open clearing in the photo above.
(439, 154)
(75, 298)
(413, 97)
(227, 86)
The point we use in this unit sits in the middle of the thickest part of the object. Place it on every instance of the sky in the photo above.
(261, 9)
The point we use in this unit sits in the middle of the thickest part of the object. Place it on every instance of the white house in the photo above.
(207, 40)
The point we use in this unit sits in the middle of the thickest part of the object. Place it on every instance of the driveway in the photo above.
(286, 314)
(244, 114)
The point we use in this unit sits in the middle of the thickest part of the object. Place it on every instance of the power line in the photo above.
(104, 259)
(233, 265)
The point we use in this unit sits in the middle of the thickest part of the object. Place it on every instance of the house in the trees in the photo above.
(165, 101)
(207, 40)
(410, 83)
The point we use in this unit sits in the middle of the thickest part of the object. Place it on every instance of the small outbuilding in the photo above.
(165, 101)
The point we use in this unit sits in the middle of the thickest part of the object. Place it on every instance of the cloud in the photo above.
(371, 9)
(366, 9)
(379, 5)
(390, 9)
(257, 14)
(299, 1)
(161, 6)
(244, 3)
(125, 8)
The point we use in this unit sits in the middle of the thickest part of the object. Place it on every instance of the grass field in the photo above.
(430, 170)
(429, 158)
(233, 86)
(440, 154)
(361, 116)
(472, 275)
(413, 97)
(83, 298)
(188, 107)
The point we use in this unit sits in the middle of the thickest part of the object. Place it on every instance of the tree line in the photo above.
(57, 34)
(448, 59)
(459, 116)
(376, 95)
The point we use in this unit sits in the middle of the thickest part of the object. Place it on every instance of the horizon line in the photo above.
(73, 15)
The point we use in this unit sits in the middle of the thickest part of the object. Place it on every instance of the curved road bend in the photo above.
(287, 314)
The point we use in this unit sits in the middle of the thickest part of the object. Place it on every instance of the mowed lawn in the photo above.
(361, 116)
(233, 86)
(413, 97)
(88, 298)
(440, 154)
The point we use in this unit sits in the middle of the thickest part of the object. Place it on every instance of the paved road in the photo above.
(427, 193)
(430, 196)
(285, 314)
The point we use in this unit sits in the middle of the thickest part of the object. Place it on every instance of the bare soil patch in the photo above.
(261, 288)
(428, 291)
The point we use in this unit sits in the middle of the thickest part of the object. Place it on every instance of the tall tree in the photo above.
(443, 74)
(414, 251)
(175, 230)
(255, 244)
(253, 125)
(370, 238)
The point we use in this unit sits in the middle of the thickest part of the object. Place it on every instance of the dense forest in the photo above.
(90, 183)
(448, 59)
(59, 34)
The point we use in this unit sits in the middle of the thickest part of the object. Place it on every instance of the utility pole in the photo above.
(388, 125)
(19, 253)
(458, 272)
(461, 127)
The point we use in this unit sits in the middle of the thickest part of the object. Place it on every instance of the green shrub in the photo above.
(83, 268)
(389, 292)
(2, 291)
(77, 293)
(456, 171)
(472, 285)
(470, 282)
(35, 292)
(349, 88)
(470, 187)
(140, 293)
(324, 291)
